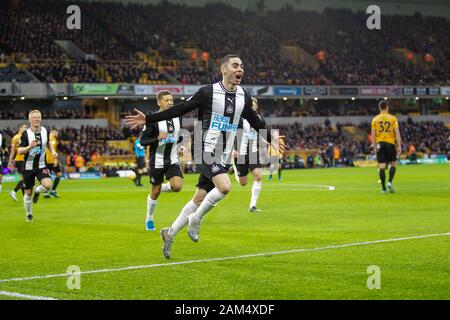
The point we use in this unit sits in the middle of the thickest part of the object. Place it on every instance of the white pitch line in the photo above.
(330, 188)
(253, 255)
(24, 296)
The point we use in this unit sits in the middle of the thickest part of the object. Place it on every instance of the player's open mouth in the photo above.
(239, 77)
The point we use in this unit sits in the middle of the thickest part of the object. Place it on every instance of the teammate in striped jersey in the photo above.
(33, 144)
(248, 158)
(16, 160)
(220, 108)
(163, 138)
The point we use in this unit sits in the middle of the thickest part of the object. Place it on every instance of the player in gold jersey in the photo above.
(16, 160)
(387, 143)
(53, 164)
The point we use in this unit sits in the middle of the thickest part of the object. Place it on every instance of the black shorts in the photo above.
(207, 172)
(244, 169)
(157, 175)
(55, 169)
(386, 152)
(19, 166)
(30, 176)
(248, 166)
(140, 162)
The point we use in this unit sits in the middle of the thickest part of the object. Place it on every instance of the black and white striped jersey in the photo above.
(248, 142)
(219, 113)
(35, 158)
(162, 152)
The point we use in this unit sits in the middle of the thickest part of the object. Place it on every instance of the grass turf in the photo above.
(99, 224)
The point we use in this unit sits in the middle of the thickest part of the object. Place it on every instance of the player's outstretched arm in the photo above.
(139, 119)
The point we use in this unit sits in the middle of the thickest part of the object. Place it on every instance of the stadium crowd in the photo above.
(346, 52)
(53, 114)
(328, 146)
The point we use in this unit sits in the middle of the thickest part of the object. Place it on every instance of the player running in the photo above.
(387, 143)
(16, 160)
(220, 108)
(53, 164)
(33, 144)
(163, 138)
(248, 158)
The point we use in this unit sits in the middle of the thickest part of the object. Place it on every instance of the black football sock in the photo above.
(382, 178)
(55, 183)
(18, 186)
(279, 174)
(391, 174)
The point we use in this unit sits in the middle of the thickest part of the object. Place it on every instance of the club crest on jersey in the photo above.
(229, 109)
(222, 123)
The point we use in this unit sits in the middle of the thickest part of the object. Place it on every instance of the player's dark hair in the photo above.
(383, 105)
(227, 58)
(162, 93)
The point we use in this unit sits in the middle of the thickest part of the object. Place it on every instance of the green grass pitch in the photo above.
(99, 225)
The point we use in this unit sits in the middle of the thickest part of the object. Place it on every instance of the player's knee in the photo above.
(47, 184)
(176, 187)
(224, 188)
(243, 182)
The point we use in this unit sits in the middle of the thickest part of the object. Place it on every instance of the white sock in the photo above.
(166, 187)
(210, 201)
(151, 206)
(1, 186)
(40, 189)
(27, 204)
(256, 189)
(183, 219)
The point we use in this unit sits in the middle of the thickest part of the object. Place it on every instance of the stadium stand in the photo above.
(164, 39)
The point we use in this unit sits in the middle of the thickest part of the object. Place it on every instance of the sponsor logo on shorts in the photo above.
(215, 168)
